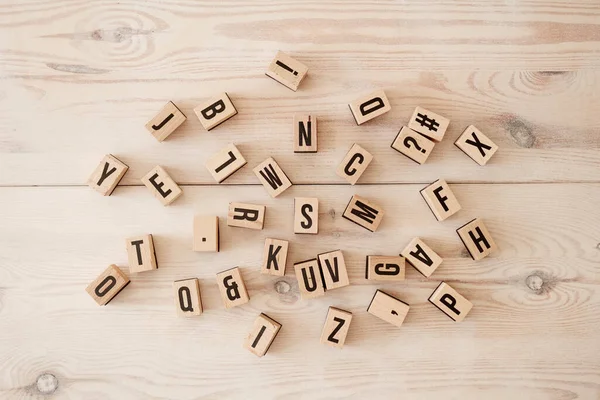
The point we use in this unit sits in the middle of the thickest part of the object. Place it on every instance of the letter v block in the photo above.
(310, 281)
(262, 335)
(364, 213)
(420, 256)
(161, 185)
(440, 199)
(450, 302)
(274, 257)
(333, 268)
(370, 106)
(476, 145)
(107, 175)
(225, 163)
(215, 111)
(272, 177)
(165, 122)
(232, 288)
(141, 253)
(109, 284)
(187, 297)
(244, 215)
(336, 327)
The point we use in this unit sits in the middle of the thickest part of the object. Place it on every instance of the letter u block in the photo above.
(369, 106)
(232, 288)
(106, 286)
(187, 297)
(310, 281)
(450, 302)
(215, 111)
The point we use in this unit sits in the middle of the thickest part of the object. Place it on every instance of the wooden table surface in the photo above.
(79, 79)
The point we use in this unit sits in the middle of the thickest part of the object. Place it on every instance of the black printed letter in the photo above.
(305, 209)
(363, 107)
(188, 298)
(158, 186)
(106, 173)
(212, 110)
(232, 289)
(449, 302)
(349, 170)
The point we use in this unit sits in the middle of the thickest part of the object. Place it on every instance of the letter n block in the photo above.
(187, 297)
(333, 269)
(225, 163)
(141, 253)
(107, 175)
(244, 215)
(215, 111)
(287, 71)
(369, 106)
(363, 213)
(388, 308)
(272, 177)
(274, 257)
(232, 288)
(412, 145)
(305, 134)
(477, 239)
(422, 257)
(262, 335)
(306, 215)
(440, 200)
(165, 122)
(428, 123)
(476, 145)
(310, 281)
(109, 284)
(161, 185)
(354, 164)
(450, 302)
(206, 233)
(385, 268)
(336, 327)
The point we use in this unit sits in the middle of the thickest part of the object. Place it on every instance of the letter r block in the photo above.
(310, 281)
(259, 339)
(165, 122)
(363, 213)
(106, 286)
(477, 239)
(354, 164)
(161, 185)
(450, 302)
(440, 199)
(141, 253)
(369, 106)
(275, 257)
(244, 215)
(215, 111)
(232, 288)
(107, 175)
(187, 297)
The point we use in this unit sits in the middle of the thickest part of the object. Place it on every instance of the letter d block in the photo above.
(161, 185)
(287, 71)
(206, 233)
(244, 215)
(450, 302)
(107, 175)
(354, 164)
(141, 253)
(310, 281)
(272, 177)
(232, 288)
(388, 308)
(109, 284)
(370, 106)
(275, 257)
(306, 215)
(477, 239)
(364, 213)
(187, 297)
(385, 268)
(215, 111)
(440, 200)
(420, 256)
(261, 336)
(165, 122)
(336, 327)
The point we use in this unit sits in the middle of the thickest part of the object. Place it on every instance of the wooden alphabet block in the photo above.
(272, 177)
(477, 239)
(333, 269)
(161, 185)
(107, 175)
(165, 122)
(364, 213)
(336, 327)
(305, 134)
(420, 256)
(141, 253)
(187, 297)
(385, 268)
(412, 145)
(450, 302)
(244, 215)
(369, 106)
(388, 308)
(275, 257)
(476, 145)
(440, 199)
(215, 111)
(206, 233)
(306, 215)
(106, 286)
(263, 332)
(287, 71)
(232, 288)
(428, 123)
(310, 281)
(225, 163)
(354, 164)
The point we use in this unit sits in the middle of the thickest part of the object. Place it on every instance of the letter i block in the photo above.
(272, 177)
(187, 297)
(165, 122)
(232, 288)
(336, 327)
(333, 269)
(305, 134)
(275, 257)
(141, 253)
(412, 145)
(261, 336)
(215, 111)
(477, 239)
(388, 308)
(107, 175)
(450, 302)
(244, 215)
(109, 284)
(369, 106)
(310, 281)
(354, 164)
(428, 123)
(306, 215)
(161, 185)
(420, 256)
(440, 200)
(385, 268)
(206, 233)
(476, 145)
(287, 71)
(363, 213)
(225, 163)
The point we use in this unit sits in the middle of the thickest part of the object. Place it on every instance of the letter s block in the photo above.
(369, 106)
(306, 215)
(106, 286)
(385, 268)
(107, 175)
(450, 302)
(232, 288)
(161, 185)
(215, 111)
(354, 164)
(264, 330)
(187, 297)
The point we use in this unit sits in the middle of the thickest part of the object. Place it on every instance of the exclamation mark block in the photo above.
(287, 71)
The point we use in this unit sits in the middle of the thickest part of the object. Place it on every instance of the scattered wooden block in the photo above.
(477, 239)
(305, 134)
(272, 177)
(388, 308)
(364, 213)
(354, 164)
(274, 257)
(225, 163)
(428, 123)
(440, 199)
(161, 185)
(450, 302)
(385, 268)
(287, 71)
(244, 215)
(263, 332)
(165, 122)
(187, 297)
(206, 233)
(412, 145)
(107, 175)
(476, 145)
(420, 256)
(106, 286)
(232, 288)
(306, 215)
(310, 281)
(141, 253)
(369, 106)
(333, 269)
(336, 327)
(215, 111)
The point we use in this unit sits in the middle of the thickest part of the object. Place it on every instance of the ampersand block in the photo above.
(263, 333)
(245, 215)
(225, 163)
(428, 123)
(107, 175)
(141, 253)
(305, 134)
(413, 145)
(385, 268)
(335, 330)
(333, 269)
(275, 257)
(354, 164)
(388, 308)
(422, 257)
(165, 122)
(272, 177)
(306, 215)
(106, 286)
(310, 281)
(369, 106)
(206, 233)
(287, 71)
(162, 186)
(187, 297)
(476, 145)
(363, 213)
(232, 288)
(450, 302)
(440, 199)
(215, 111)
(477, 239)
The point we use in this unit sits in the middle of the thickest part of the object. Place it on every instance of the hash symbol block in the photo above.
(428, 123)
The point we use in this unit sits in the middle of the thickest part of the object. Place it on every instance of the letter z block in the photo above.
(141, 253)
(476, 145)
(263, 333)
(162, 186)
(354, 164)
(450, 302)
(244, 215)
(187, 297)
(420, 256)
(388, 308)
(272, 177)
(363, 213)
(385, 268)
(428, 123)
(225, 163)
(232, 288)
(440, 200)
(109, 284)
(215, 111)
(107, 175)
(275, 257)
(477, 239)
(165, 122)
(335, 330)
(287, 71)
(310, 281)
(369, 106)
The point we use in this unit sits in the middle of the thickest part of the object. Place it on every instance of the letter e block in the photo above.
(261, 336)
(477, 239)
(165, 122)
(109, 284)
(232, 288)
(420, 256)
(363, 213)
(225, 163)
(287, 71)
(388, 308)
(385, 268)
(310, 281)
(333, 269)
(306, 215)
(215, 111)
(107, 175)
(412, 145)
(369, 106)
(244, 215)
(440, 200)
(272, 177)
(450, 302)
(305, 134)
(187, 297)
(274, 257)
(476, 145)
(141, 253)
(161, 185)
(336, 327)
(206, 233)
(354, 164)
(428, 123)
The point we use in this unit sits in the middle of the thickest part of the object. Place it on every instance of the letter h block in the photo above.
(161, 185)
(215, 111)
(106, 286)
(477, 239)
(310, 281)
(354, 164)
(141, 253)
(370, 106)
(187, 297)
(232, 288)
(450, 302)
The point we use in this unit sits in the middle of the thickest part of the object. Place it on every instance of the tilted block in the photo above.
(440, 199)
(306, 215)
(413, 145)
(310, 281)
(232, 288)
(388, 308)
(476, 145)
(215, 111)
(141, 253)
(422, 257)
(107, 175)
(354, 164)
(264, 330)
(305, 134)
(428, 123)
(206, 233)
(225, 163)
(477, 239)
(274, 257)
(244, 215)
(165, 122)
(369, 106)
(450, 302)
(161, 185)
(287, 71)
(187, 297)
(336, 327)
(385, 268)
(272, 177)
(106, 286)
(333, 269)
(364, 213)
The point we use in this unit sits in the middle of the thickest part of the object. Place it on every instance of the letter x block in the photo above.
(420, 256)
(310, 281)
(450, 302)
(261, 336)
(215, 111)
(187, 297)
(388, 308)
(440, 200)
(165, 122)
(225, 163)
(274, 257)
(107, 175)
(363, 213)
(354, 164)
(244, 215)
(428, 123)
(333, 269)
(141, 253)
(161, 185)
(369, 106)
(287, 71)
(385, 268)
(336, 327)
(109, 284)
(476, 145)
(232, 288)
(477, 239)
(272, 177)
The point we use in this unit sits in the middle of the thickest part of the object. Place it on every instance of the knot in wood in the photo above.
(46, 383)
(282, 287)
(535, 283)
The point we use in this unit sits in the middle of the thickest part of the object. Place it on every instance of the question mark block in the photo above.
(413, 145)
(388, 308)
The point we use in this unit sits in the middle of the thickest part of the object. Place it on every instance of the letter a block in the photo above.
(107, 175)
(109, 284)
(232, 288)
(420, 256)
(476, 145)
(165, 122)
(364, 213)
(450, 302)
(187, 297)
(336, 327)
(272, 177)
(161, 185)
(477, 239)
(333, 269)
(388, 308)
(215, 111)
(412, 145)
(440, 200)
(244, 215)
(354, 164)
(275, 257)
(306, 215)
(310, 281)
(429, 124)
(305, 134)
(385, 268)
(370, 106)
(261, 336)
(206, 233)
(225, 163)
(141, 253)
(287, 71)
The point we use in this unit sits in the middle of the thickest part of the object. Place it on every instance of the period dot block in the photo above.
(232, 288)
(369, 106)
(333, 269)
(440, 200)
(385, 268)
(165, 122)
(287, 71)
(306, 215)
(272, 177)
(413, 145)
(106, 286)
(215, 111)
(141, 253)
(310, 281)
(245, 215)
(335, 329)
(261, 336)
(274, 257)
(363, 213)
(107, 175)
(388, 308)
(421, 257)
(305, 134)
(477, 239)
(476, 145)
(206, 233)
(450, 302)
(188, 302)
(225, 163)
(428, 123)
(161, 185)
(354, 164)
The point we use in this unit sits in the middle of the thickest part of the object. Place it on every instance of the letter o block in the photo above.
(106, 286)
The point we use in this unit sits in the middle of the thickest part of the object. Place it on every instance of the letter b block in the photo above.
(244, 215)
(109, 284)
(272, 177)
(275, 257)
(354, 164)
(385, 268)
(165, 122)
(477, 239)
(370, 106)
(107, 175)
(187, 297)
(261, 336)
(141, 253)
(232, 288)
(440, 200)
(215, 111)
(336, 327)
(306, 215)
(450, 302)
(161, 185)
(310, 281)
(364, 213)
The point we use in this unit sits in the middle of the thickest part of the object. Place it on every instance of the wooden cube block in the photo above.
(420, 256)
(306, 215)
(364, 213)
(354, 164)
(305, 134)
(215, 111)
(187, 297)
(165, 122)
(310, 281)
(225, 163)
(161, 185)
(272, 177)
(106, 286)
(244, 215)
(440, 199)
(206, 233)
(333, 269)
(412, 145)
(107, 175)
(477, 239)
(369, 106)
(274, 257)
(385, 268)
(428, 123)
(263, 332)
(232, 288)
(141, 253)
(336, 327)
(450, 302)
(388, 308)
(287, 71)
(476, 145)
